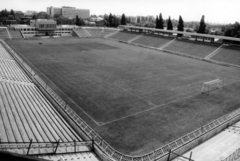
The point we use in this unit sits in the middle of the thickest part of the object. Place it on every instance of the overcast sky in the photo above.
(215, 11)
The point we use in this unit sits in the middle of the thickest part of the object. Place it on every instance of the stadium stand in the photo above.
(4, 33)
(88, 156)
(196, 49)
(25, 113)
(28, 119)
(228, 54)
(81, 32)
(10, 70)
(95, 32)
(124, 36)
(4, 53)
(109, 32)
(218, 147)
(152, 40)
(15, 33)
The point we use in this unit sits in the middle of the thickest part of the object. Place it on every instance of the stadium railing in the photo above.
(103, 149)
(235, 156)
(36, 148)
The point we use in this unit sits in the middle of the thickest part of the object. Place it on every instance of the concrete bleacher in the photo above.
(81, 32)
(95, 32)
(4, 33)
(15, 33)
(10, 70)
(218, 147)
(196, 49)
(109, 32)
(152, 40)
(4, 53)
(124, 36)
(25, 113)
(228, 54)
(87, 156)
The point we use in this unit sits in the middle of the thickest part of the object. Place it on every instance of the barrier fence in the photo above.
(235, 156)
(107, 153)
(33, 148)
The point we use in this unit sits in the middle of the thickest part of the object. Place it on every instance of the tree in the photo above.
(12, 12)
(138, 19)
(161, 22)
(81, 22)
(34, 17)
(110, 20)
(202, 26)
(157, 23)
(169, 24)
(106, 20)
(180, 26)
(42, 15)
(77, 21)
(123, 20)
(116, 21)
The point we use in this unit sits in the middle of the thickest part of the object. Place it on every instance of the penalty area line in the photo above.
(140, 112)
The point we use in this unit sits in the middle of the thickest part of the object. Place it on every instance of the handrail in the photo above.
(235, 156)
(179, 146)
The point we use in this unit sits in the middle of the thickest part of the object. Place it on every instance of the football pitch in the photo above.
(135, 98)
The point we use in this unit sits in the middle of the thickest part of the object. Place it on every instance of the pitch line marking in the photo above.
(176, 100)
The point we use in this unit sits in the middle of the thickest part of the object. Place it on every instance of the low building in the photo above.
(44, 27)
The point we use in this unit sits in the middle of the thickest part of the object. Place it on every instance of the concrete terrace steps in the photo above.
(87, 156)
(81, 32)
(4, 53)
(200, 50)
(61, 148)
(15, 34)
(167, 44)
(152, 40)
(87, 32)
(95, 32)
(10, 70)
(26, 114)
(215, 52)
(4, 33)
(124, 36)
(135, 38)
(218, 147)
(109, 34)
(229, 55)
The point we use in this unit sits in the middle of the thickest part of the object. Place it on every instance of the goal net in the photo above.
(212, 85)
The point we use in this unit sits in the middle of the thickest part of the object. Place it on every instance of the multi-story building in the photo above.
(72, 12)
(69, 12)
(53, 10)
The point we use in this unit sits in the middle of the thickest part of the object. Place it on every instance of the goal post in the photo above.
(212, 85)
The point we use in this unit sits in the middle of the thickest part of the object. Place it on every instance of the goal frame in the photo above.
(217, 82)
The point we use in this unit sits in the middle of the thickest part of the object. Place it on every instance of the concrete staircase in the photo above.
(208, 57)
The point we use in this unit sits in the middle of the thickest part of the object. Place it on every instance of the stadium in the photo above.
(126, 94)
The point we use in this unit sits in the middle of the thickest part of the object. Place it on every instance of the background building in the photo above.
(69, 12)
(53, 10)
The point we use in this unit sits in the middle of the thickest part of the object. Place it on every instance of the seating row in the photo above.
(26, 114)
(228, 54)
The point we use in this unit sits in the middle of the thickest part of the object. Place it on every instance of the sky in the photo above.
(215, 11)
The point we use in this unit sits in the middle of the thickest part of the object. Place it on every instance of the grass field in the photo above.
(135, 98)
